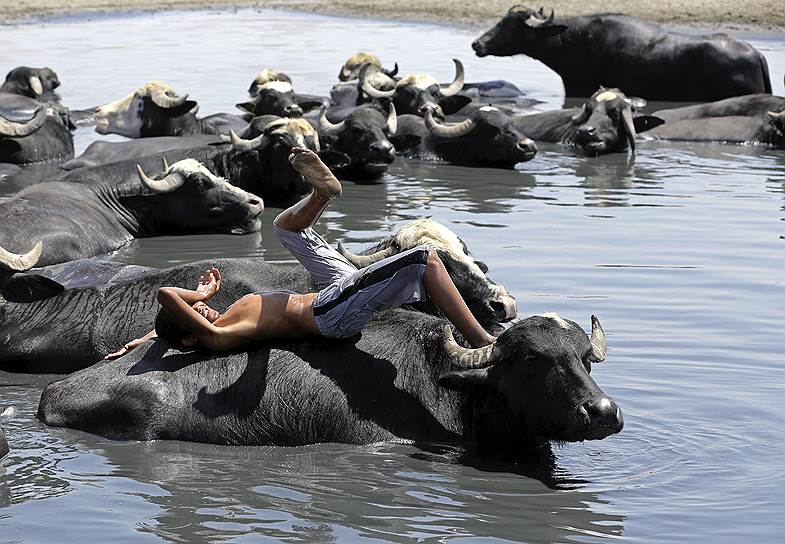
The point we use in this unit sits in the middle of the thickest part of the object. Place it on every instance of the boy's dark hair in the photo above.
(169, 329)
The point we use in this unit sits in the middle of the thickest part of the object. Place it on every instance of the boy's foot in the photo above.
(315, 172)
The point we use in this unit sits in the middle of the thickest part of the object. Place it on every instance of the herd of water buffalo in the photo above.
(184, 174)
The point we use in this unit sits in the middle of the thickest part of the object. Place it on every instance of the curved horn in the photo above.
(629, 126)
(392, 120)
(19, 130)
(169, 183)
(361, 261)
(536, 22)
(344, 74)
(162, 100)
(391, 73)
(448, 131)
(464, 357)
(330, 128)
(581, 116)
(241, 143)
(165, 164)
(457, 83)
(369, 89)
(35, 84)
(598, 345)
(20, 263)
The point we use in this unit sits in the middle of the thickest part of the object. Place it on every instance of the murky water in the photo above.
(680, 251)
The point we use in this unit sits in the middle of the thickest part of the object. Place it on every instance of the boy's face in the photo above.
(205, 311)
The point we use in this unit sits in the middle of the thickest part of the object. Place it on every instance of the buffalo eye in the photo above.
(482, 266)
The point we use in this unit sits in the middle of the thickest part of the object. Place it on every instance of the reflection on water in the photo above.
(679, 250)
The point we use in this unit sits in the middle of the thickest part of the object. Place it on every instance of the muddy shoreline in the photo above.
(754, 16)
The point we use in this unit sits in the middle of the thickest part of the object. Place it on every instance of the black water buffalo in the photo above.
(603, 124)
(640, 57)
(272, 93)
(418, 93)
(488, 137)
(154, 109)
(77, 220)
(37, 83)
(264, 77)
(65, 317)
(753, 105)
(404, 378)
(354, 64)
(102, 152)
(363, 136)
(31, 132)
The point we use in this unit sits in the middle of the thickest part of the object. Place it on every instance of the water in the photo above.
(679, 251)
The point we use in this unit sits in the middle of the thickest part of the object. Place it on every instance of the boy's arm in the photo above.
(131, 345)
(209, 284)
(180, 310)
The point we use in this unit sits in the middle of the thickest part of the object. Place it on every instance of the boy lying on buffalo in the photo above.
(348, 298)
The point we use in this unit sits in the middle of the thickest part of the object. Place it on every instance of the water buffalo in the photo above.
(488, 137)
(404, 378)
(103, 152)
(266, 76)
(418, 93)
(351, 70)
(58, 320)
(272, 93)
(37, 83)
(77, 220)
(154, 109)
(363, 137)
(603, 124)
(640, 57)
(753, 105)
(31, 132)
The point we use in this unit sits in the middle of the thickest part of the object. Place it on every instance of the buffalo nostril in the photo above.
(293, 111)
(588, 130)
(527, 145)
(603, 412)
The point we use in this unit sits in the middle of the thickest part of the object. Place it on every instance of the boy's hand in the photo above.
(209, 283)
(133, 344)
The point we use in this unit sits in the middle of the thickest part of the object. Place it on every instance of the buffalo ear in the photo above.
(182, 109)
(247, 107)
(643, 123)
(451, 104)
(551, 30)
(29, 288)
(465, 380)
(334, 159)
(405, 141)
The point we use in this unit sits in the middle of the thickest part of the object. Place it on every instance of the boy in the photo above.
(347, 300)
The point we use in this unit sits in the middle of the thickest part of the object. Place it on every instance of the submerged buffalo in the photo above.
(78, 220)
(404, 378)
(488, 137)
(603, 124)
(154, 109)
(354, 64)
(363, 136)
(37, 83)
(640, 57)
(419, 93)
(30, 132)
(62, 318)
(102, 152)
(272, 93)
(766, 129)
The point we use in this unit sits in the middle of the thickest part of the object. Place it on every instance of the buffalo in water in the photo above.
(154, 109)
(606, 123)
(272, 93)
(640, 57)
(30, 132)
(488, 137)
(65, 317)
(757, 119)
(78, 220)
(36, 83)
(404, 378)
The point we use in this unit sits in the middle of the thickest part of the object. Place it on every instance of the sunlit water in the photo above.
(679, 251)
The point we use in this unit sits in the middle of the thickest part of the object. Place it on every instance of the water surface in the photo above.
(679, 251)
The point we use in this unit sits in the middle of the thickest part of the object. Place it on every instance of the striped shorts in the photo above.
(348, 297)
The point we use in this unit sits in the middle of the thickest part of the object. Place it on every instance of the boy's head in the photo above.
(170, 330)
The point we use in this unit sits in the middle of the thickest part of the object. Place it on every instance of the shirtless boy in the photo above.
(347, 300)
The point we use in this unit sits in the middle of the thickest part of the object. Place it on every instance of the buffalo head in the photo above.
(30, 82)
(264, 77)
(273, 98)
(148, 111)
(187, 198)
(520, 30)
(534, 384)
(351, 68)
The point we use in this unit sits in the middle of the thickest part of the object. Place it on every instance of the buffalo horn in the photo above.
(165, 164)
(629, 127)
(465, 357)
(20, 263)
(448, 131)
(598, 345)
(457, 83)
(241, 143)
(330, 128)
(369, 89)
(361, 261)
(775, 115)
(169, 183)
(163, 100)
(35, 84)
(19, 130)
(392, 121)
(391, 73)
(581, 116)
